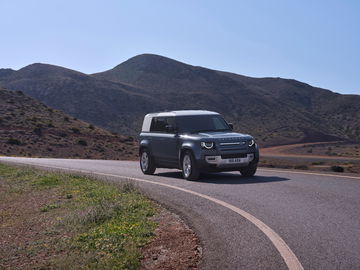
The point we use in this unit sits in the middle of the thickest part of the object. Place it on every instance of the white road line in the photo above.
(310, 173)
(286, 253)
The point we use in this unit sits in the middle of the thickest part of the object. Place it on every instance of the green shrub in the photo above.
(75, 130)
(317, 163)
(301, 167)
(82, 142)
(37, 131)
(337, 168)
(13, 141)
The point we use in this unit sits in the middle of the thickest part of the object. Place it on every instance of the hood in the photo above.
(220, 136)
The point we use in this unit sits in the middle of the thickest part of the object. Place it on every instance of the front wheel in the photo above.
(249, 170)
(147, 163)
(189, 168)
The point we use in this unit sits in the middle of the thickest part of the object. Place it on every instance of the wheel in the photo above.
(189, 169)
(147, 163)
(249, 170)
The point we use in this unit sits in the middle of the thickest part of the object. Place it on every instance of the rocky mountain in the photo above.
(30, 128)
(274, 110)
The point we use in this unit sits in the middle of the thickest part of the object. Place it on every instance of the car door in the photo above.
(164, 141)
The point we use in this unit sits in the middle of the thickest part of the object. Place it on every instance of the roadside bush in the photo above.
(82, 142)
(301, 167)
(91, 127)
(13, 141)
(317, 163)
(67, 119)
(37, 131)
(337, 168)
(75, 130)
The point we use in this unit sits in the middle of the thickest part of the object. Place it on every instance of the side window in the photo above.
(159, 124)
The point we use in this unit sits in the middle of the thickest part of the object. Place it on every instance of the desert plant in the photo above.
(82, 142)
(301, 167)
(13, 141)
(336, 168)
(37, 131)
(75, 130)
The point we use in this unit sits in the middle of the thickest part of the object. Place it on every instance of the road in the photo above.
(275, 220)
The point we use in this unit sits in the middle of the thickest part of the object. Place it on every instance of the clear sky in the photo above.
(314, 41)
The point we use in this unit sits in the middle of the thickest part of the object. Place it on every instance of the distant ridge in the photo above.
(275, 110)
(32, 129)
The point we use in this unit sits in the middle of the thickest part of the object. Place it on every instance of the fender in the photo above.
(144, 143)
(188, 145)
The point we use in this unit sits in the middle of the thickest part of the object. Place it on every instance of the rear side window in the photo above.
(160, 124)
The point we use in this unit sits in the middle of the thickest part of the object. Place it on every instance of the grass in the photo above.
(89, 224)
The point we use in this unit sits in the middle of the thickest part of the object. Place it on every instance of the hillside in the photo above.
(276, 111)
(30, 128)
(100, 102)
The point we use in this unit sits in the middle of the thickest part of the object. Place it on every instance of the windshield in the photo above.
(201, 123)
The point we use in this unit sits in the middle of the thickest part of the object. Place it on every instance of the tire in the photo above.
(147, 163)
(249, 170)
(189, 168)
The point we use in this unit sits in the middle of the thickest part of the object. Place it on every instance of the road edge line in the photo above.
(309, 173)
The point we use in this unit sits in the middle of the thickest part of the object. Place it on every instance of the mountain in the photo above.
(30, 128)
(274, 110)
(100, 102)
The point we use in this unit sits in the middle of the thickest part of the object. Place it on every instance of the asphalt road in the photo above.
(252, 223)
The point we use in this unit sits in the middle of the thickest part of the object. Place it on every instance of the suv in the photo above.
(194, 142)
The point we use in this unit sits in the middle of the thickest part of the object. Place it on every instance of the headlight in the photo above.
(207, 145)
(251, 143)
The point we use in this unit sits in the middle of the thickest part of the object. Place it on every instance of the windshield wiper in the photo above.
(224, 129)
(210, 130)
(203, 130)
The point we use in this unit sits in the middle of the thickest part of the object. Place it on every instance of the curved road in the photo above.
(276, 220)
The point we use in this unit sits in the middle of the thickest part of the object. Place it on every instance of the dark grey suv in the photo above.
(195, 142)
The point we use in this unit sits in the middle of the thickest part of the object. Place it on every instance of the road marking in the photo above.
(311, 173)
(286, 253)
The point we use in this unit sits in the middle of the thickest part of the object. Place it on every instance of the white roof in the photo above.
(182, 113)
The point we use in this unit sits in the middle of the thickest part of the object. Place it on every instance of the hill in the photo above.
(275, 110)
(30, 128)
(100, 102)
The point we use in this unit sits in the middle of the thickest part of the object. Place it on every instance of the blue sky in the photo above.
(317, 42)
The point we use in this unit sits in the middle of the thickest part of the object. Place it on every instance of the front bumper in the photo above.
(220, 162)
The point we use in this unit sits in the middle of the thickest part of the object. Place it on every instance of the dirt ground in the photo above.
(320, 156)
(174, 247)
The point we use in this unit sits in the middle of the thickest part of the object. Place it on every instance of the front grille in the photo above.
(238, 155)
(232, 145)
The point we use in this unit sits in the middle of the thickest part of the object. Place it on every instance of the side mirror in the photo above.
(231, 126)
(170, 129)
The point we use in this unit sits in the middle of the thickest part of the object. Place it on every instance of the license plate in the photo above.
(235, 160)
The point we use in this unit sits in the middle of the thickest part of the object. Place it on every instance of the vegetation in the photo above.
(337, 168)
(28, 128)
(79, 222)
